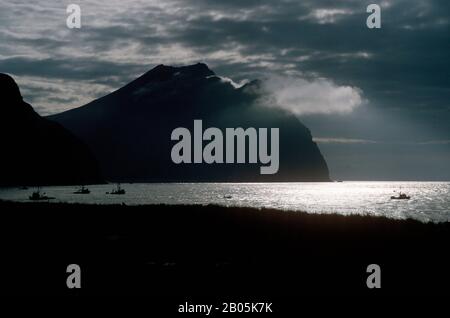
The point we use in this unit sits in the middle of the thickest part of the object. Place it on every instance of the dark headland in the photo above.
(37, 151)
(129, 130)
(126, 136)
(213, 250)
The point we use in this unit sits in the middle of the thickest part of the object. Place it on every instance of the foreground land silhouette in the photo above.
(168, 252)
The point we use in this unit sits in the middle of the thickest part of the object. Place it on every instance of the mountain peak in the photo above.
(200, 69)
(164, 72)
(9, 90)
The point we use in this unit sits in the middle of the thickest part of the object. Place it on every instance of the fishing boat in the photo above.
(82, 190)
(118, 190)
(401, 196)
(39, 196)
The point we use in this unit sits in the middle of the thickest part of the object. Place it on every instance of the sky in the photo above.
(377, 101)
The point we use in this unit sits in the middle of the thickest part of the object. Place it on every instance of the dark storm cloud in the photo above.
(247, 38)
(78, 69)
(389, 60)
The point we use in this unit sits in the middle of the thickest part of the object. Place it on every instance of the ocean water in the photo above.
(430, 201)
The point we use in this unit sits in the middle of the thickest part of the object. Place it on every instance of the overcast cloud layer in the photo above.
(354, 83)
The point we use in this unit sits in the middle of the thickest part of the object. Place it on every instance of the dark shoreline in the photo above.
(212, 250)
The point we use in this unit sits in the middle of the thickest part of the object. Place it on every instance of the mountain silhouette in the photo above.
(37, 151)
(130, 129)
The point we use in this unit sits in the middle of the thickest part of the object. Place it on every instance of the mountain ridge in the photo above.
(129, 130)
(37, 151)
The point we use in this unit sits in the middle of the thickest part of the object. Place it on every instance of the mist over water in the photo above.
(430, 201)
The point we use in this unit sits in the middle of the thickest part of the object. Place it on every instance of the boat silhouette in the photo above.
(39, 196)
(117, 190)
(401, 196)
(82, 190)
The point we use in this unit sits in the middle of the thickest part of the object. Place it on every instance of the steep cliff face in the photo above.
(130, 129)
(37, 151)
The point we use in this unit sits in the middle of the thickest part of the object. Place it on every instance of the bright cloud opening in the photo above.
(302, 96)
